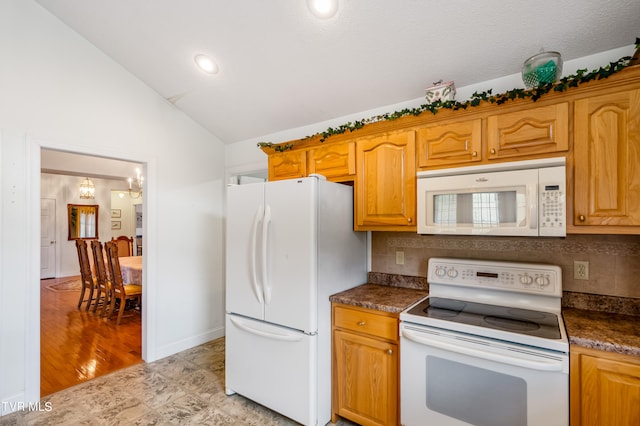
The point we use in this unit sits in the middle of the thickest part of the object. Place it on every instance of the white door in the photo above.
(290, 282)
(47, 238)
(245, 206)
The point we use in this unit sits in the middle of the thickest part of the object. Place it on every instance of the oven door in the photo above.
(450, 378)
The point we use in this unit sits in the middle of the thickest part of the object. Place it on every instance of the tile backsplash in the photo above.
(614, 260)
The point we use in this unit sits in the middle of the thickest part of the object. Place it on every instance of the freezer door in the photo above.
(290, 228)
(245, 205)
(273, 366)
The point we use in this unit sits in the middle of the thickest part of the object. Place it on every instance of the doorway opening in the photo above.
(77, 345)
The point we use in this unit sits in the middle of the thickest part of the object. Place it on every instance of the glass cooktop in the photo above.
(515, 320)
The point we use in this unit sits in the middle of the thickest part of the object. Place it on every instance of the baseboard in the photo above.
(188, 343)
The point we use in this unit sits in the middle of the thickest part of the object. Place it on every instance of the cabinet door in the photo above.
(609, 392)
(333, 161)
(367, 374)
(386, 183)
(607, 160)
(287, 165)
(452, 143)
(531, 131)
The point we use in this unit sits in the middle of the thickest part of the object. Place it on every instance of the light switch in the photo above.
(399, 258)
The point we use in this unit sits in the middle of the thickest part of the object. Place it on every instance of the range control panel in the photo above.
(515, 276)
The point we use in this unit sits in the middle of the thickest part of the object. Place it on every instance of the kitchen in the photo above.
(176, 178)
(575, 253)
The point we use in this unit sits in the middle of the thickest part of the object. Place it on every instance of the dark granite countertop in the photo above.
(593, 321)
(603, 330)
(380, 297)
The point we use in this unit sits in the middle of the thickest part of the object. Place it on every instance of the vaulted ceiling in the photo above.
(280, 67)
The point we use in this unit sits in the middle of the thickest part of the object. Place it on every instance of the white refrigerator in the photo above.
(290, 244)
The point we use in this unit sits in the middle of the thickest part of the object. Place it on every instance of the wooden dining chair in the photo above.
(119, 291)
(86, 276)
(102, 278)
(125, 245)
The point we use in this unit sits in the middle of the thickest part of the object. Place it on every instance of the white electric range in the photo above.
(488, 346)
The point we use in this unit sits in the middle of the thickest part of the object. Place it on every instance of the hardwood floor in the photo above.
(77, 346)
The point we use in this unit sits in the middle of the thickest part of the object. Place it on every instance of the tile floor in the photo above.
(183, 389)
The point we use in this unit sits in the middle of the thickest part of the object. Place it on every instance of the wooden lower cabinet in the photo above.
(365, 366)
(605, 388)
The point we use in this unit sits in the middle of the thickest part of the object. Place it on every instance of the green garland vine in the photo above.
(581, 76)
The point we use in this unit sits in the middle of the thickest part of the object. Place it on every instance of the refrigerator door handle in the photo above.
(266, 286)
(276, 336)
(254, 252)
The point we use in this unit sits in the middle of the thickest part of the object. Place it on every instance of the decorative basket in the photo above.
(540, 69)
(440, 92)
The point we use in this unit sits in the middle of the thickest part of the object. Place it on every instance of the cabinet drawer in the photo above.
(366, 322)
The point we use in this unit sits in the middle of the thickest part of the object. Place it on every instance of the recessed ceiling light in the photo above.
(323, 8)
(206, 64)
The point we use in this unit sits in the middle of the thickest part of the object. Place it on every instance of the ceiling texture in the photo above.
(280, 67)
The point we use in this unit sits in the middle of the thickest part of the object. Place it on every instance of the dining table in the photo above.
(131, 269)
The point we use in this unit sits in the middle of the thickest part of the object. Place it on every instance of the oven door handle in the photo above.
(462, 347)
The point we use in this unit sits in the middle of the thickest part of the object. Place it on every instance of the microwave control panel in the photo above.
(552, 202)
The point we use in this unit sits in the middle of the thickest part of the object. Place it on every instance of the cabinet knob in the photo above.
(581, 218)
(475, 153)
(390, 351)
(362, 323)
(493, 150)
(409, 219)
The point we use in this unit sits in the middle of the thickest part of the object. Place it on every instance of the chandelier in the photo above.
(138, 181)
(87, 189)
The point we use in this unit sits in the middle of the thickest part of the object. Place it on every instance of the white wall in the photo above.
(127, 219)
(60, 92)
(64, 189)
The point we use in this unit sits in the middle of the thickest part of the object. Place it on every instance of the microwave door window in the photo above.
(480, 209)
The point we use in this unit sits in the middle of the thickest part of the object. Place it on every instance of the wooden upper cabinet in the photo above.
(451, 143)
(385, 187)
(336, 162)
(531, 131)
(607, 161)
(287, 165)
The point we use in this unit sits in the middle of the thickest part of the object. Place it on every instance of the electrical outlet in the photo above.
(580, 270)
(399, 258)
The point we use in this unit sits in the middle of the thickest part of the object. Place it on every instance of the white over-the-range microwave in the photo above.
(521, 198)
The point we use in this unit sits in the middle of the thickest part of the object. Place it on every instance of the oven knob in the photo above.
(542, 281)
(452, 273)
(526, 279)
(440, 271)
